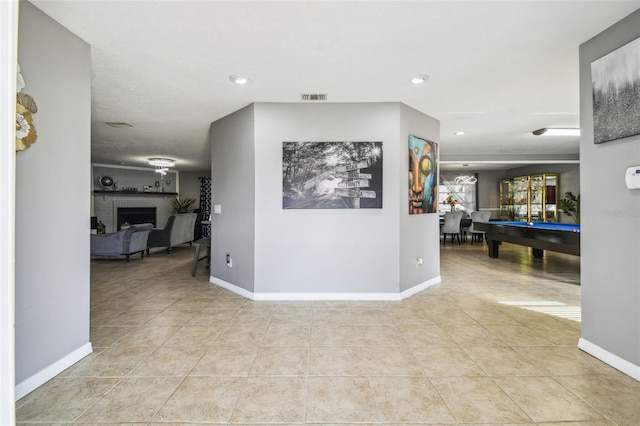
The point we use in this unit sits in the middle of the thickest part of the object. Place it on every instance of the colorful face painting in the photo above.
(423, 170)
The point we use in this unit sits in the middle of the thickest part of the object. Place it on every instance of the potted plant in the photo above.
(182, 206)
(570, 205)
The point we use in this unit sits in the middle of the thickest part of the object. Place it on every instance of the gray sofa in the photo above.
(125, 242)
(178, 230)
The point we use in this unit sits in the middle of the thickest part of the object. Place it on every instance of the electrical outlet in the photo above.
(229, 261)
(419, 262)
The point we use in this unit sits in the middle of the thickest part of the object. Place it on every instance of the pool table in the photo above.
(540, 236)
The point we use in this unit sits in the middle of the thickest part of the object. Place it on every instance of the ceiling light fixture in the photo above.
(161, 162)
(465, 180)
(419, 79)
(460, 133)
(238, 79)
(162, 165)
(557, 132)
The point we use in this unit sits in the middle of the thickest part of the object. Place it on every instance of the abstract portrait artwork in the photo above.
(616, 94)
(423, 173)
(332, 175)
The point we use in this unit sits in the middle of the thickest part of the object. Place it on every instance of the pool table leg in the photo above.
(537, 253)
(493, 247)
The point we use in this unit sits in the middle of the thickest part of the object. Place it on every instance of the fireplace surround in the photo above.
(135, 215)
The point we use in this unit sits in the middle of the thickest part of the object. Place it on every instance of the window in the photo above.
(457, 193)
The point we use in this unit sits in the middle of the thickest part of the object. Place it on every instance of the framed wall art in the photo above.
(332, 175)
(616, 94)
(423, 176)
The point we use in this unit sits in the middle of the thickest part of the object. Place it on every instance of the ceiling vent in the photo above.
(117, 124)
(314, 96)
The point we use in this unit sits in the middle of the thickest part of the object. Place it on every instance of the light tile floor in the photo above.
(495, 343)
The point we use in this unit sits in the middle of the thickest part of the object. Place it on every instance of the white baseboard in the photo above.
(41, 377)
(323, 296)
(231, 287)
(607, 357)
(420, 287)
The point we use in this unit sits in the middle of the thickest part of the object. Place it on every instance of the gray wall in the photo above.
(610, 243)
(105, 207)
(568, 175)
(420, 233)
(489, 191)
(316, 251)
(130, 177)
(53, 182)
(489, 180)
(190, 185)
(568, 178)
(328, 251)
(234, 189)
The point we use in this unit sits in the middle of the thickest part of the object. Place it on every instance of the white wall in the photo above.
(8, 52)
(316, 253)
(610, 243)
(53, 181)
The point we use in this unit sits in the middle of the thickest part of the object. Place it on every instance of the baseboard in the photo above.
(420, 287)
(607, 357)
(48, 373)
(231, 287)
(323, 296)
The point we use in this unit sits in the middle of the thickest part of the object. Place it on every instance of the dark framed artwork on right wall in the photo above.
(616, 94)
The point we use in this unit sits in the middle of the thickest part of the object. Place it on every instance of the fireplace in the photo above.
(134, 215)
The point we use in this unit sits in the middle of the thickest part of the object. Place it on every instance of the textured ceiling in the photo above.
(497, 70)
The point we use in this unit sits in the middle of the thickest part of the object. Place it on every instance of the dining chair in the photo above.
(478, 216)
(451, 226)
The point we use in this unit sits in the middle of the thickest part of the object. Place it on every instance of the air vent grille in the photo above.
(314, 96)
(117, 124)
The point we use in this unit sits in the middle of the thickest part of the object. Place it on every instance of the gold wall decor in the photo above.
(25, 108)
(26, 133)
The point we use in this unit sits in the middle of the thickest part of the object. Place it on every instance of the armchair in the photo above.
(179, 229)
(122, 243)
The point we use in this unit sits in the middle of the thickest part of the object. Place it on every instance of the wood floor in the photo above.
(494, 343)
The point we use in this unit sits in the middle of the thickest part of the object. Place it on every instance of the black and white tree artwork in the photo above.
(616, 94)
(331, 175)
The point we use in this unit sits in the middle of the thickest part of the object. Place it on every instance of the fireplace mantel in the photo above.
(144, 194)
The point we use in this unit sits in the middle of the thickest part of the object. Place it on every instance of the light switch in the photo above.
(217, 209)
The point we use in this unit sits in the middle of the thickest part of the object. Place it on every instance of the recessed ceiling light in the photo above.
(238, 79)
(117, 124)
(460, 133)
(419, 79)
(557, 132)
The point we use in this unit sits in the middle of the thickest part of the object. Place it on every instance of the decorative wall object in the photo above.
(331, 175)
(25, 108)
(205, 202)
(616, 93)
(423, 172)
